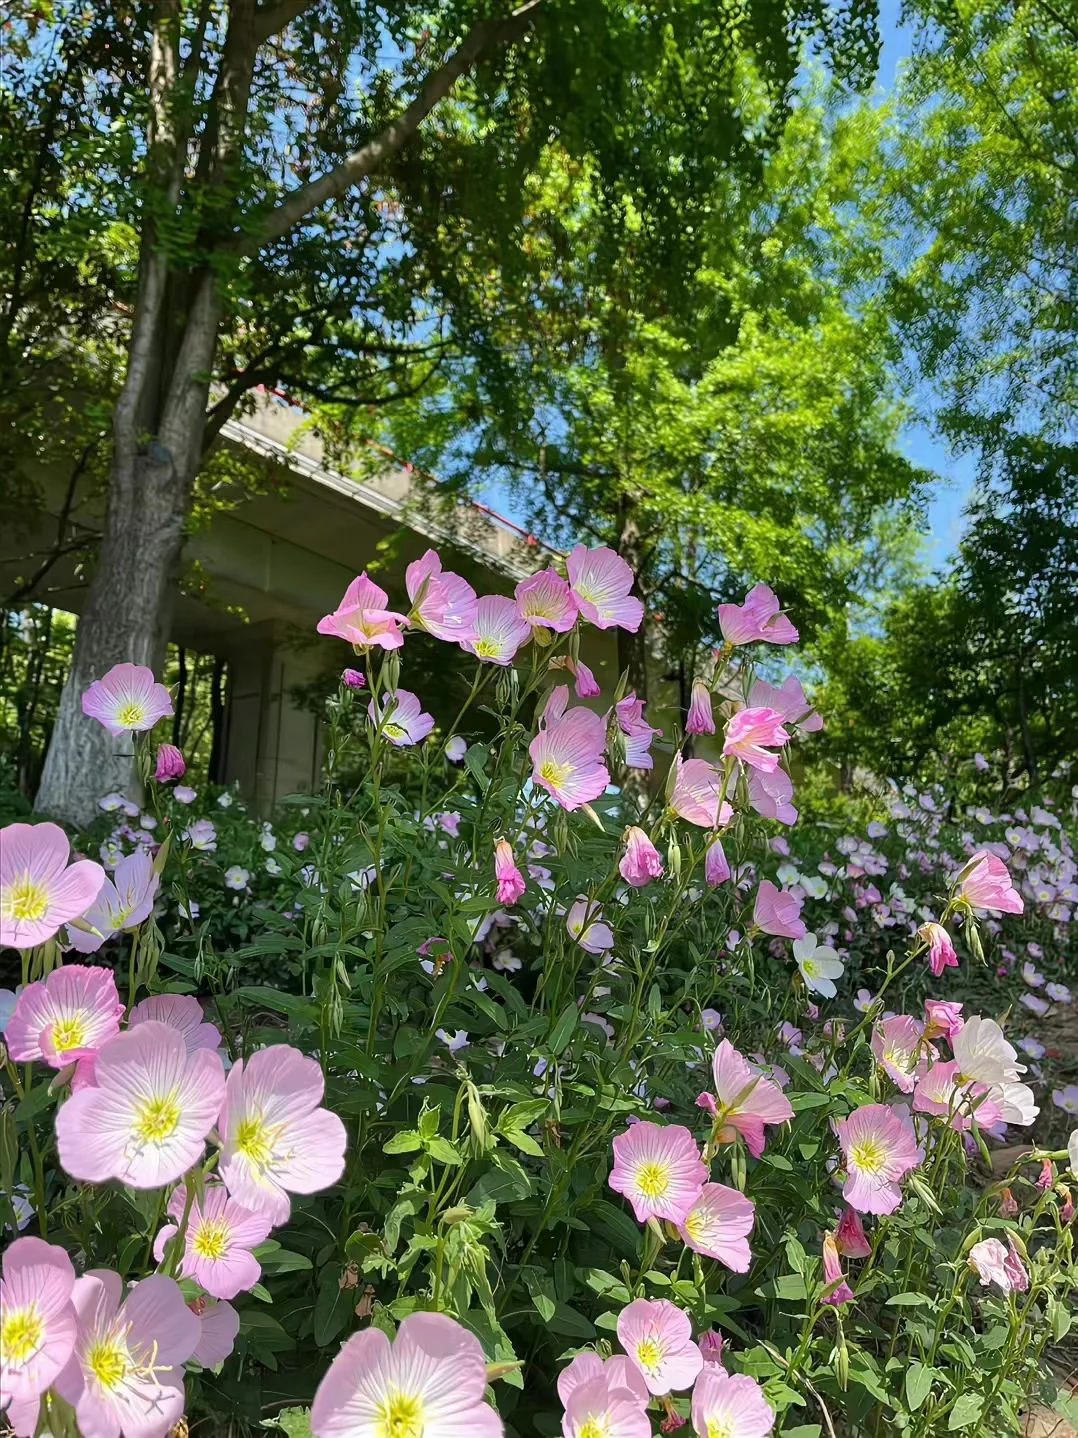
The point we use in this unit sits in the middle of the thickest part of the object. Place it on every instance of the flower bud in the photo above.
(170, 764)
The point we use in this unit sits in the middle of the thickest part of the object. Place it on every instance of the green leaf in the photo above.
(571, 1322)
(523, 1141)
(409, 1140)
(296, 1422)
(908, 1300)
(332, 1306)
(500, 1186)
(523, 1115)
(918, 1385)
(562, 1031)
(284, 1262)
(545, 1306)
(444, 1151)
(966, 1410)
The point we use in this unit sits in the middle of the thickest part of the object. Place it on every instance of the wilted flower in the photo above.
(994, 1263)
(850, 1235)
(658, 1170)
(879, 1147)
(362, 618)
(710, 1345)
(718, 1225)
(353, 679)
(639, 734)
(170, 764)
(657, 1336)
(601, 581)
(757, 619)
(510, 880)
(833, 1276)
(943, 1019)
(700, 719)
(941, 953)
(39, 890)
(716, 868)
(641, 861)
(127, 699)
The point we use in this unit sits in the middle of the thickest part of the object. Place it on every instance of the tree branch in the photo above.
(301, 202)
(273, 18)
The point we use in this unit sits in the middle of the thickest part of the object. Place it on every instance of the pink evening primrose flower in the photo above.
(170, 764)
(833, 1276)
(898, 1045)
(607, 1404)
(771, 794)
(585, 684)
(641, 861)
(789, 699)
(455, 749)
(217, 1246)
(757, 619)
(777, 912)
(696, 791)
(545, 601)
(941, 952)
(730, 1405)
(218, 1329)
(448, 606)
(37, 1319)
(744, 1100)
(201, 835)
(181, 1012)
(593, 936)
(629, 713)
(617, 1371)
(39, 890)
(657, 1336)
(879, 1147)
(362, 618)
(511, 884)
(716, 867)
(941, 1090)
(658, 1170)
(820, 965)
(994, 1263)
(499, 630)
(125, 1376)
(984, 1054)
(126, 699)
(700, 719)
(567, 758)
(64, 1017)
(353, 679)
(751, 734)
(850, 1235)
(123, 902)
(401, 718)
(718, 1226)
(429, 1381)
(1066, 1098)
(986, 884)
(943, 1019)
(601, 581)
(275, 1137)
(710, 1344)
(146, 1119)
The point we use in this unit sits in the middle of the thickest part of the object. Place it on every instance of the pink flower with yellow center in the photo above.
(448, 604)
(695, 796)
(641, 861)
(545, 601)
(37, 1319)
(759, 618)
(879, 1147)
(401, 719)
(942, 1091)
(751, 734)
(275, 1137)
(428, 1383)
(123, 902)
(744, 1100)
(181, 1012)
(985, 883)
(217, 1245)
(584, 923)
(39, 890)
(510, 881)
(601, 581)
(718, 1226)
(777, 912)
(362, 618)
(730, 1405)
(499, 630)
(618, 1371)
(146, 1119)
(659, 1170)
(657, 1336)
(567, 758)
(898, 1044)
(607, 1405)
(127, 699)
(64, 1017)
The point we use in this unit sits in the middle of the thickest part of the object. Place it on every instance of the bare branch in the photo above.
(271, 19)
(60, 547)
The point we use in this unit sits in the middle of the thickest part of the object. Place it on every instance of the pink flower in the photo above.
(38, 890)
(169, 765)
(201, 835)
(37, 1320)
(354, 679)
(126, 699)
(710, 1345)
(181, 1012)
(730, 1404)
(275, 1139)
(629, 713)
(455, 749)
(658, 1170)
(879, 1147)
(567, 758)
(448, 605)
(993, 1263)
(943, 1019)
(986, 884)
(743, 1101)
(218, 1243)
(770, 795)
(126, 1373)
(218, 1329)
(718, 1225)
(429, 1381)
(897, 1045)
(401, 718)
(362, 618)
(545, 601)
(617, 1372)
(593, 936)
(789, 699)
(123, 902)
(716, 868)
(751, 733)
(700, 719)
(499, 630)
(850, 1235)
(941, 1090)
(300, 842)
(833, 1276)
(601, 581)
(147, 1119)
(941, 954)
(511, 883)
(696, 791)
(777, 911)
(586, 686)
(64, 1017)
(757, 618)
(608, 1403)
(657, 1336)
(641, 861)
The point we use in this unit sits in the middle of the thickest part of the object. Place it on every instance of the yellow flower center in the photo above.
(393, 731)
(649, 1354)
(554, 773)
(653, 1179)
(211, 1238)
(254, 1141)
(869, 1155)
(156, 1119)
(69, 1033)
(27, 899)
(715, 1429)
(487, 649)
(696, 1226)
(23, 1333)
(809, 968)
(400, 1415)
(595, 1427)
(109, 1361)
(131, 716)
